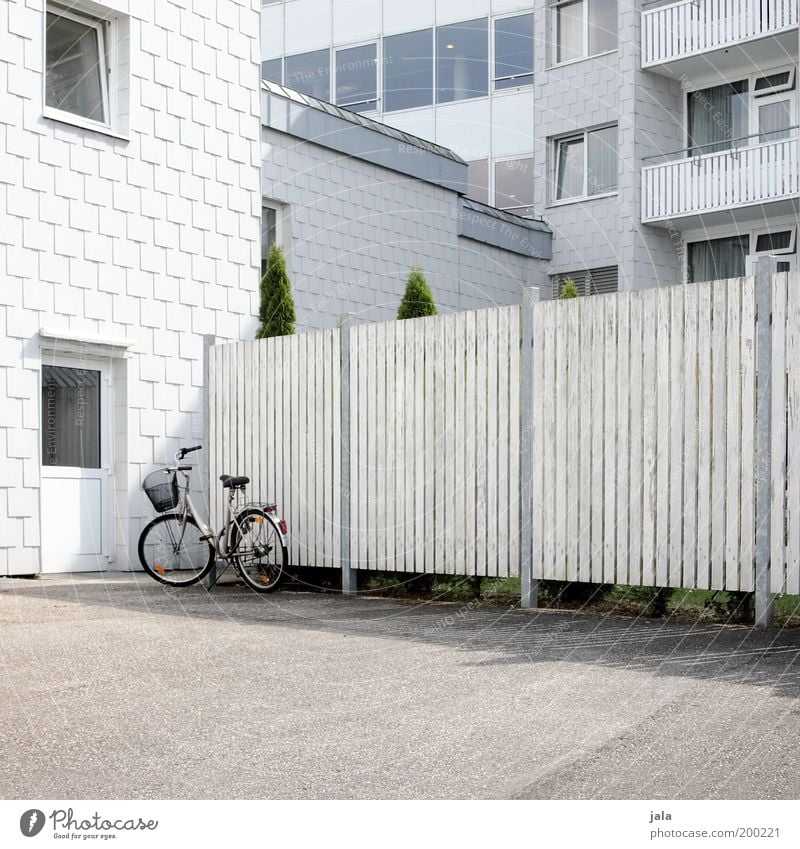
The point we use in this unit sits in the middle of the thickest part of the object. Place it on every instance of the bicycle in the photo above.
(179, 549)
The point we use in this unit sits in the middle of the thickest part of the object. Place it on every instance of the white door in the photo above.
(75, 467)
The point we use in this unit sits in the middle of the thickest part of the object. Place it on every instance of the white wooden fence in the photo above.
(641, 438)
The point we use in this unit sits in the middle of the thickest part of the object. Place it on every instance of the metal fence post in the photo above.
(348, 573)
(209, 340)
(764, 598)
(529, 587)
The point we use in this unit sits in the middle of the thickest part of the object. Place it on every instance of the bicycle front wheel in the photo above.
(258, 551)
(173, 552)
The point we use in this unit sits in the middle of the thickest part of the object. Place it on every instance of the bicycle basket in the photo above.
(162, 490)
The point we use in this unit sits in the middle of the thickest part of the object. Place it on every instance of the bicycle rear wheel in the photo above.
(258, 551)
(174, 553)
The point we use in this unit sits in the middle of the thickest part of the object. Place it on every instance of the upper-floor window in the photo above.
(757, 109)
(513, 51)
(586, 164)
(356, 70)
(408, 70)
(76, 66)
(581, 28)
(513, 185)
(272, 70)
(462, 61)
(309, 73)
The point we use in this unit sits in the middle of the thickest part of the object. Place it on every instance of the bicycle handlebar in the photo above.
(182, 452)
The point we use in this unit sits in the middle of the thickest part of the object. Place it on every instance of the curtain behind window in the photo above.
(718, 259)
(717, 116)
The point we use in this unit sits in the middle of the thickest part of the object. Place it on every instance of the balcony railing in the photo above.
(697, 26)
(730, 179)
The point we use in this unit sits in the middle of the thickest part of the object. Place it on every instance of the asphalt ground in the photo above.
(120, 688)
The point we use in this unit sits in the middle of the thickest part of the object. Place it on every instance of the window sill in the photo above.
(557, 65)
(82, 123)
(554, 204)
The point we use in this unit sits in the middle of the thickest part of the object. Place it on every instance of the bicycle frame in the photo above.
(222, 541)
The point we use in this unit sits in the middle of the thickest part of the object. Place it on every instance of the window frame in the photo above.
(754, 100)
(752, 234)
(331, 91)
(378, 76)
(383, 99)
(513, 210)
(552, 35)
(106, 53)
(493, 80)
(436, 56)
(555, 147)
(280, 210)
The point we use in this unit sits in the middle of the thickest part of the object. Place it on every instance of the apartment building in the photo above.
(129, 230)
(658, 141)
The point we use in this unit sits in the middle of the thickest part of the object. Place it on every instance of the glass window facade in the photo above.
(408, 70)
(513, 186)
(357, 77)
(513, 52)
(309, 73)
(462, 61)
(271, 70)
(583, 28)
(478, 175)
(718, 259)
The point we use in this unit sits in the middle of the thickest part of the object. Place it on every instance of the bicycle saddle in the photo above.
(228, 481)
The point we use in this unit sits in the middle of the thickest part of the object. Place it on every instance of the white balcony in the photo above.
(741, 184)
(674, 37)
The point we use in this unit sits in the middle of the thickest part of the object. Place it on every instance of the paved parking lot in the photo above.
(120, 688)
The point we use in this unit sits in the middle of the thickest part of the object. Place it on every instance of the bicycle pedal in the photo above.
(206, 537)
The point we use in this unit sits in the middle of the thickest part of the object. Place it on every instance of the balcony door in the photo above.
(756, 110)
(75, 467)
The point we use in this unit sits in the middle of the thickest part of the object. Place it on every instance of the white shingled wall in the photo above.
(153, 238)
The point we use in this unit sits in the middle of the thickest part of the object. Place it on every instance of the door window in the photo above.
(70, 417)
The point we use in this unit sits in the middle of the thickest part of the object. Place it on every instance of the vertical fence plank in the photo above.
(747, 529)
(538, 320)
(689, 515)
(571, 425)
(549, 427)
(561, 417)
(734, 437)
(512, 489)
(596, 446)
(649, 439)
(779, 442)
(623, 447)
(494, 411)
(585, 447)
(663, 422)
(636, 438)
(704, 427)
(453, 494)
(610, 460)
(679, 389)
(793, 434)
(718, 420)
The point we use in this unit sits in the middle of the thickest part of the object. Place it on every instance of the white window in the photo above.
(737, 254)
(86, 64)
(754, 110)
(586, 164)
(581, 28)
(76, 80)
